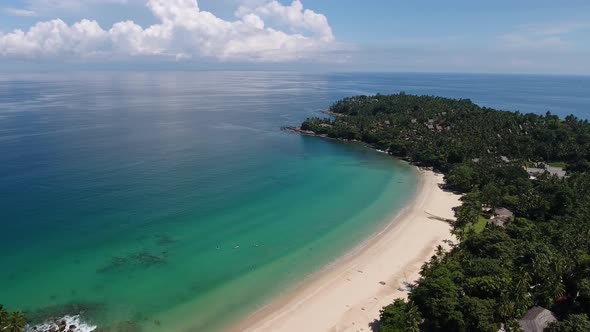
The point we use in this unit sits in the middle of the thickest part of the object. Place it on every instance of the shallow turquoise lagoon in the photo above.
(154, 199)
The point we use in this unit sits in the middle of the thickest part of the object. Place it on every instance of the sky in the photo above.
(465, 36)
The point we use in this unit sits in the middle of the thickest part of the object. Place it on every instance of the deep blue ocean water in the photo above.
(163, 196)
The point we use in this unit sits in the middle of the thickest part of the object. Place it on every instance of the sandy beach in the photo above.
(348, 295)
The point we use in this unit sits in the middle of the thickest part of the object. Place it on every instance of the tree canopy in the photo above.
(12, 322)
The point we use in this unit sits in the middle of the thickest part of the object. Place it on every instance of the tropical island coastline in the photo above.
(515, 250)
(522, 260)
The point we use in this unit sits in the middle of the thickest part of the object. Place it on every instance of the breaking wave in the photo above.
(66, 323)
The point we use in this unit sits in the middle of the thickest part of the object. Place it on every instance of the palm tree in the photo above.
(3, 316)
(16, 322)
(412, 318)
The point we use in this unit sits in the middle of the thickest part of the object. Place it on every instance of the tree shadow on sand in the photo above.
(375, 325)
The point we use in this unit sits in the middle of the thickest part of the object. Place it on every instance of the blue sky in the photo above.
(523, 36)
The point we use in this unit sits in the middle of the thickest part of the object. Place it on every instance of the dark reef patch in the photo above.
(164, 240)
(142, 259)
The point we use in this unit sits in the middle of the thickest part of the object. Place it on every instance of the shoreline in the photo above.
(299, 131)
(348, 293)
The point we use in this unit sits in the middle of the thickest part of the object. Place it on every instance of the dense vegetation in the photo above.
(11, 322)
(495, 274)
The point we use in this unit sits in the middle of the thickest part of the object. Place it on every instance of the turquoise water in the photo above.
(173, 199)
(166, 198)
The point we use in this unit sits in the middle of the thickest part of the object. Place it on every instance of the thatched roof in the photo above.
(536, 320)
(504, 212)
(501, 217)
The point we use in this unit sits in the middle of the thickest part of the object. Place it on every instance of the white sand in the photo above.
(349, 295)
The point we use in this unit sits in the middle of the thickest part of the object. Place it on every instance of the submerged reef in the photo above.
(140, 259)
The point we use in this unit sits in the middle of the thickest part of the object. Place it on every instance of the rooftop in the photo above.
(501, 217)
(536, 320)
(542, 169)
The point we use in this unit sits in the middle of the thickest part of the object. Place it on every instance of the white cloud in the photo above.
(53, 38)
(294, 16)
(541, 37)
(184, 31)
(518, 41)
(19, 12)
(47, 7)
(558, 28)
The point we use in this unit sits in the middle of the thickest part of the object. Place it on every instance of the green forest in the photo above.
(495, 273)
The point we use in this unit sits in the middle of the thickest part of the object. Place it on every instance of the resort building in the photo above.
(535, 172)
(501, 217)
(536, 320)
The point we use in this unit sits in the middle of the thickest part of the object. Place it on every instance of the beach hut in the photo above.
(536, 320)
(501, 217)
(504, 212)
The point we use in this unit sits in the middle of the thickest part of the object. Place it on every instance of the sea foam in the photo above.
(76, 321)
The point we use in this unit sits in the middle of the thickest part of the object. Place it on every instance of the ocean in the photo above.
(146, 199)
